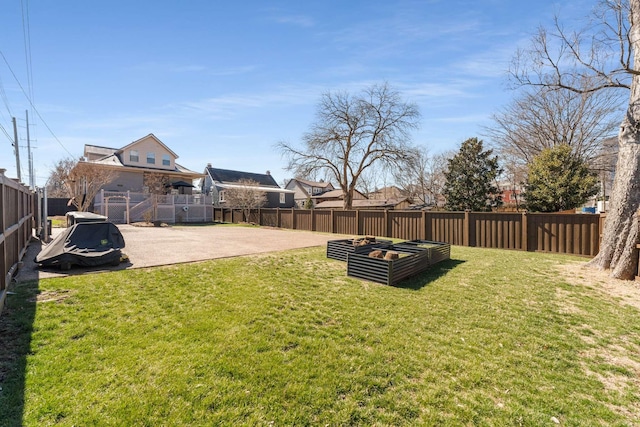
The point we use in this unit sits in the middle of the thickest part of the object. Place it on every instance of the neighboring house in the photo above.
(335, 200)
(402, 203)
(512, 195)
(304, 189)
(386, 193)
(137, 160)
(335, 195)
(216, 181)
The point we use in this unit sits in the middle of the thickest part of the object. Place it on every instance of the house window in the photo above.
(221, 197)
(151, 158)
(282, 199)
(166, 161)
(133, 156)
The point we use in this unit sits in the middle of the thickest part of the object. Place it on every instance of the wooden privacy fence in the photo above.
(16, 224)
(577, 234)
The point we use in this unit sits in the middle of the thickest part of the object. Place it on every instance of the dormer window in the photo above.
(133, 156)
(166, 161)
(151, 158)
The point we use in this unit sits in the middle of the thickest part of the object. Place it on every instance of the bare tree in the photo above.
(605, 166)
(375, 178)
(605, 55)
(543, 118)
(56, 186)
(245, 195)
(80, 180)
(353, 134)
(423, 178)
(514, 174)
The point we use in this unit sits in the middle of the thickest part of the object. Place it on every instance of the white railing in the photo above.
(169, 208)
(136, 213)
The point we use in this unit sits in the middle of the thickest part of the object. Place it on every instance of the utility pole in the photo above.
(17, 147)
(32, 180)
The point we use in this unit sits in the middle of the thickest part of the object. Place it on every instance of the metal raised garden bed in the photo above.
(339, 249)
(438, 251)
(414, 257)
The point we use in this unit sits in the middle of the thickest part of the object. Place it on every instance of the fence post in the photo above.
(313, 220)
(465, 229)
(333, 224)
(293, 219)
(525, 232)
(423, 228)
(358, 228)
(127, 207)
(278, 218)
(45, 216)
(386, 223)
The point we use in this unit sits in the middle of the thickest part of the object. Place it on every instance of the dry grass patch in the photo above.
(625, 291)
(51, 296)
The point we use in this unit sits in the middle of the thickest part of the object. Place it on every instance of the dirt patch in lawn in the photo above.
(51, 296)
(625, 291)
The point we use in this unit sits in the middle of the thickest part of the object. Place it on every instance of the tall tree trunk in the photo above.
(348, 199)
(620, 236)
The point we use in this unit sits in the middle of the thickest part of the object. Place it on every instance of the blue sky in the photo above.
(223, 82)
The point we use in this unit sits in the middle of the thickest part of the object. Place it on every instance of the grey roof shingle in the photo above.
(226, 175)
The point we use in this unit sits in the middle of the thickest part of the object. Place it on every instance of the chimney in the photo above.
(268, 172)
(208, 165)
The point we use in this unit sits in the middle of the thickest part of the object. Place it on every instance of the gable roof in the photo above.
(313, 183)
(360, 203)
(387, 192)
(152, 136)
(229, 176)
(303, 185)
(114, 161)
(266, 189)
(338, 195)
(98, 150)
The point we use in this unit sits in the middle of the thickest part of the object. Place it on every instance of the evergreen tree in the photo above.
(558, 180)
(308, 204)
(470, 179)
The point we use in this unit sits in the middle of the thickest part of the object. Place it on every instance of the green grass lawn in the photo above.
(497, 338)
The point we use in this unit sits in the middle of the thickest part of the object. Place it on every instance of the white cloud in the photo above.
(297, 20)
(225, 106)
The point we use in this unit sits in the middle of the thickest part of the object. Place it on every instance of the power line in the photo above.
(6, 133)
(3, 95)
(26, 31)
(33, 106)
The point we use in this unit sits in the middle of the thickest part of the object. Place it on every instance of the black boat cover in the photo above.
(87, 244)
